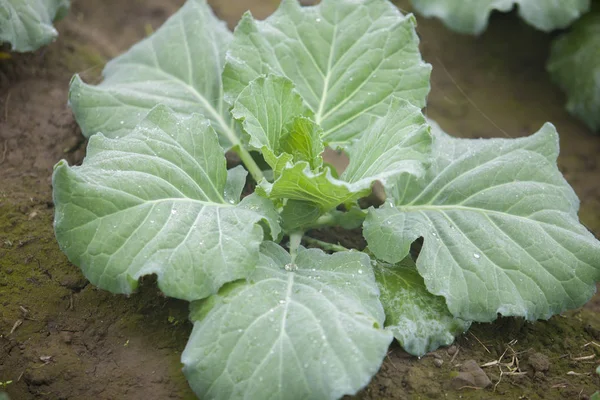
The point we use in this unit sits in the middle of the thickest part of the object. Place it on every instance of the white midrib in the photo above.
(319, 115)
(229, 133)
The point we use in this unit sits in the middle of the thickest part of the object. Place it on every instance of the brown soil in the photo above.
(60, 338)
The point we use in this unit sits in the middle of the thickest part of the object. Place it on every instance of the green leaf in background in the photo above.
(154, 202)
(397, 143)
(419, 320)
(305, 330)
(500, 228)
(179, 66)
(27, 24)
(347, 58)
(471, 16)
(574, 65)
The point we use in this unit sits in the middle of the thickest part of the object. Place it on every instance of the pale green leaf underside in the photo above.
(574, 65)
(346, 58)
(155, 202)
(471, 16)
(27, 24)
(500, 229)
(308, 334)
(419, 320)
(397, 143)
(179, 66)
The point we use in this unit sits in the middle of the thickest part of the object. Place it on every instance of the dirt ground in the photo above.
(60, 338)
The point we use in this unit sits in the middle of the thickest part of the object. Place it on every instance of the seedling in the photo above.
(271, 317)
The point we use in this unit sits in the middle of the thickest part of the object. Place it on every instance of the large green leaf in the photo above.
(27, 24)
(574, 65)
(419, 320)
(471, 16)
(179, 66)
(395, 144)
(500, 228)
(159, 201)
(309, 330)
(347, 59)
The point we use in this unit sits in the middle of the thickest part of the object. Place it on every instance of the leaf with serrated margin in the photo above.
(27, 24)
(347, 58)
(419, 320)
(306, 331)
(397, 143)
(500, 228)
(179, 66)
(574, 65)
(471, 16)
(154, 202)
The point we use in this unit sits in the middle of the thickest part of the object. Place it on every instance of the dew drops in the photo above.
(318, 20)
(476, 255)
(282, 301)
(360, 271)
(173, 212)
(291, 267)
(122, 122)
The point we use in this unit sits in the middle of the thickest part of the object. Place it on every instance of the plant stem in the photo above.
(325, 245)
(295, 240)
(347, 220)
(249, 162)
(238, 147)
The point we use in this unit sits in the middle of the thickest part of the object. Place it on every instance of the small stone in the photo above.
(452, 350)
(471, 375)
(539, 362)
(463, 379)
(438, 362)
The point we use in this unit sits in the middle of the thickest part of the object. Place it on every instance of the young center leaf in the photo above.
(274, 117)
(311, 329)
(179, 66)
(27, 24)
(574, 65)
(397, 143)
(347, 59)
(500, 228)
(419, 320)
(471, 16)
(160, 200)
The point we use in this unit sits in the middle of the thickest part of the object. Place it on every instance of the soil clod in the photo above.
(471, 375)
